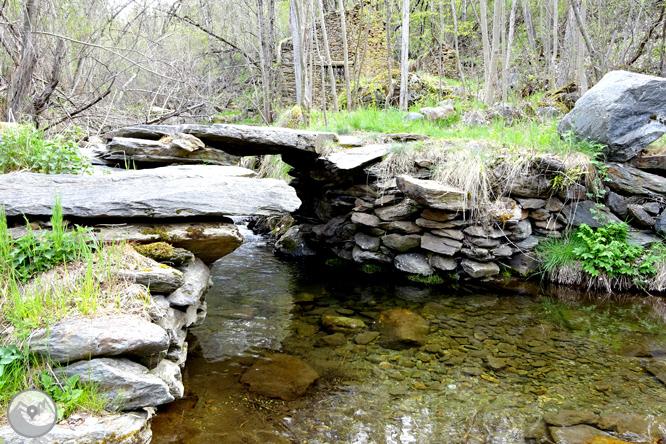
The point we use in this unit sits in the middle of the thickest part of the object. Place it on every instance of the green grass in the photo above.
(26, 148)
(428, 280)
(554, 253)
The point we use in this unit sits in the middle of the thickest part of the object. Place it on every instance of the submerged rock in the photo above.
(342, 324)
(280, 376)
(293, 243)
(576, 434)
(399, 327)
(566, 418)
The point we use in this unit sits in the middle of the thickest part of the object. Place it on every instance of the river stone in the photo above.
(401, 211)
(629, 180)
(366, 337)
(656, 368)
(369, 220)
(366, 242)
(441, 245)
(617, 204)
(174, 191)
(341, 324)
(124, 384)
(521, 231)
(169, 372)
(566, 418)
(129, 151)
(126, 428)
(496, 363)
(402, 327)
(293, 243)
(401, 243)
(280, 376)
(197, 276)
(71, 340)
(443, 263)
(352, 158)
(631, 426)
(479, 269)
(624, 111)
(432, 194)
(640, 217)
(159, 279)
(483, 242)
(527, 244)
(502, 251)
(576, 434)
(336, 339)
(478, 254)
(587, 212)
(361, 256)
(414, 263)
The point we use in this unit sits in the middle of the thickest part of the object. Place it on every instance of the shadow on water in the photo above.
(494, 362)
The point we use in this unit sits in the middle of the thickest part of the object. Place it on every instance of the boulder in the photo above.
(239, 140)
(587, 212)
(629, 180)
(197, 276)
(401, 243)
(411, 117)
(169, 372)
(441, 245)
(432, 194)
(399, 327)
(294, 243)
(126, 428)
(414, 263)
(280, 376)
(174, 191)
(125, 385)
(479, 269)
(130, 152)
(576, 434)
(71, 340)
(438, 113)
(352, 158)
(625, 111)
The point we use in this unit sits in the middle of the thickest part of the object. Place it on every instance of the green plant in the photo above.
(26, 148)
(554, 253)
(428, 280)
(9, 357)
(66, 392)
(607, 250)
(370, 268)
(336, 262)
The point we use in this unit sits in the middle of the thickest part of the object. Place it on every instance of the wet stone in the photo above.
(366, 337)
(566, 418)
(335, 339)
(342, 324)
(366, 242)
(576, 434)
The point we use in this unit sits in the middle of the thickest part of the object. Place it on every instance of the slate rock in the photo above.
(432, 194)
(450, 233)
(366, 242)
(443, 263)
(441, 245)
(521, 231)
(587, 212)
(361, 256)
(71, 340)
(350, 141)
(129, 151)
(400, 242)
(639, 217)
(169, 372)
(124, 384)
(197, 276)
(653, 208)
(342, 324)
(369, 220)
(479, 269)
(294, 242)
(624, 111)
(576, 434)
(414, 263)
(628, 180)
(531, 204)
(660, 224)
(617, 204)
(159, 279)
(353, 158)
(280, 376)
(366, 337)
(401, 211)
(406, 227)
(521, 264)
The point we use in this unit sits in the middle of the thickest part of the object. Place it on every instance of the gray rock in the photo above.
(280, 376)
(531, 204)
(478, 254)
(656, 164)
(342, 324)
(653, 208)
(366, 242)
(451, 234)
(631, 426)
(479, 269)
(400, 242)
(437, 215)
(414, 263)
(336, 339)
(502, 251)
(124, 384)
(639, 217)
(350, 141)
(126, 428)
(127, 151)
(483, 242)
(575, 434)
(549, 112)
(624, 111)
(586, 212)
(175, 191)
(529, 185)
(197, 275)
(369, 220)
(366, 337)
(294, 242)
(528, 244)
(479, 231)
(474, 118)
(407, 227)
(169, 372)
(432, 224)
(401, 211)
(521, 264)
(629, 180)
(157, 279)
(443, 263)
(521, 231)
(566, 418)
(438, 113)
(660, 224)
(352, 158)
(617, 204)
(71, 340)
(432, 194)
(441, 245)
(413, 116)
(642, 238)
(540, 214)
(173, 321)
(554, 205)
(361, 256)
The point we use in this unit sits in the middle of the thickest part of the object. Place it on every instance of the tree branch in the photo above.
(83, 108)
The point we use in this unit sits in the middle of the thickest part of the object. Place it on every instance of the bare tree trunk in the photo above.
(40, 102)
(529, 28)
(327, 53)
(581, 77)
(22, 78)
(404, 74)
(298, 49)
(321, 62)
(662, 65)
(483, 12)
(264, 61)
(345, 49)
(461, 73)
(509, 46)
(389, 56)
(588, 42)
(494, 58)
(555, 37)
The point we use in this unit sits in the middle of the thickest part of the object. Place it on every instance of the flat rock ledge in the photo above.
(174, 191)
(127, 428)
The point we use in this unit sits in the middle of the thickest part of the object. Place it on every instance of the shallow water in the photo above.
(494, 362)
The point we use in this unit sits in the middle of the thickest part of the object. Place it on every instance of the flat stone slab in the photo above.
(432, 194)
(71, 340)
(126, 151)
(175, 191)
(124, 384)
(159, 279)
(126, 428)
(657, 163)
(357, 157)
(239, 140)
(628, 180)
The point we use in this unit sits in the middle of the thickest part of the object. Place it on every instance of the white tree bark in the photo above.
(509, 46)
(494, 57)
(404, 53)
(345, 49)
(294, 21)
(327, 53)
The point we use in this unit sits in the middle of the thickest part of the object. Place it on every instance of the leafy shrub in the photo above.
(9, 357)
(25, 148)
(607, 250)
(65, 393)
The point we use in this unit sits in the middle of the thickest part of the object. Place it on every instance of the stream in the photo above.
(494, 363)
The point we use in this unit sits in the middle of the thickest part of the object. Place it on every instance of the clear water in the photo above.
(549, 351)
